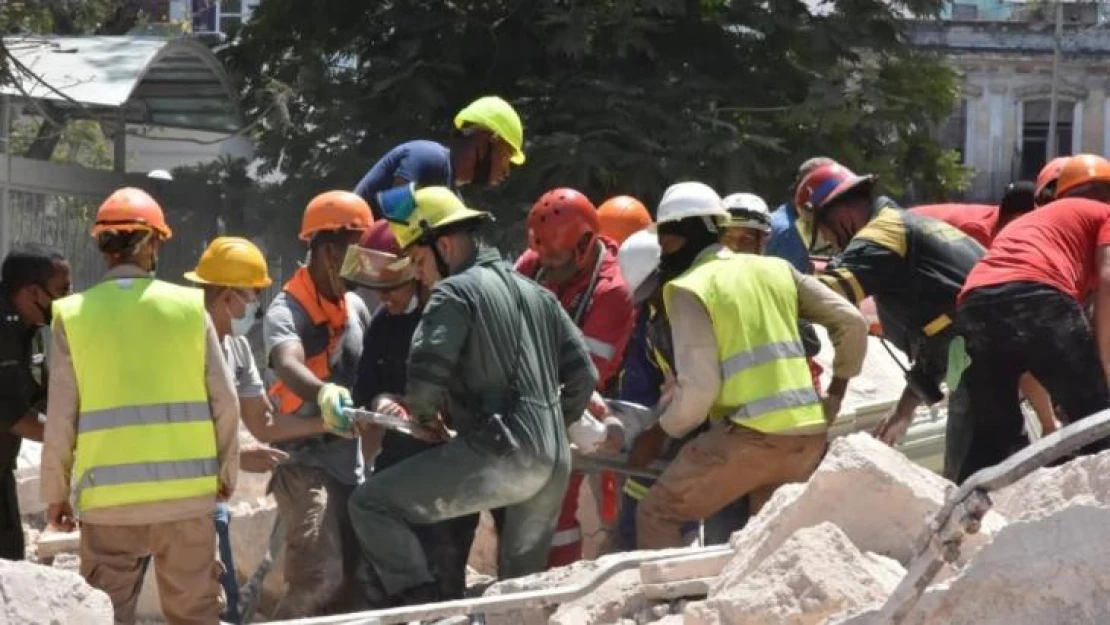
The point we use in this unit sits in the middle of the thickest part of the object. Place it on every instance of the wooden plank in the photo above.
(52, 543)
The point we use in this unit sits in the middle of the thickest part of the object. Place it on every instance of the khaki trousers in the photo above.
(322, 558)
(717, 468)
(185, 566)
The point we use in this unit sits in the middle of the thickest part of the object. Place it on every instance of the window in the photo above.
(1034, 134)
(223, 16)
(961, 11)
(953, 132)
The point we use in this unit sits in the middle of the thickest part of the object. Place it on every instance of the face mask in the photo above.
(47, 311)
(243, 325)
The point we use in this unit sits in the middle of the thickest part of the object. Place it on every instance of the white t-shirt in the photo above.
(240, 361)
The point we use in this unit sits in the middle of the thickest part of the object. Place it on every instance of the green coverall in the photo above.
(475, 339)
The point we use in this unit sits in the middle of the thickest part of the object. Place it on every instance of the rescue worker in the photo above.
(746, 233)
(568, 255)
(983, 222)
(791, 233)
(648, 368)
(621, 216)
(1045, 187)
(739, 361)
(142, 423)
(490, 138)
(31, 278)
(312, 336)
(647, 365)
(500, 358)
(913, 266)
(1021, 309)
(376, 263)
(749, 224)
(232, 271)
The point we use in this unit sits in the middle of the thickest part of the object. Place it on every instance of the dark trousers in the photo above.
(447, 543)
(1022, 327)
(11, 526)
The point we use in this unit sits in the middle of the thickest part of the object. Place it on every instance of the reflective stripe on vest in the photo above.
(634, 489)
(144, 432)
(94, 420)
(567, 537)
(752, 303)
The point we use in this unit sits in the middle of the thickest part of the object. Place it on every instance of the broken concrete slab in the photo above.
(620, 595)
(51, 543)
(1046, 491)
(1050, 570)
(816, 573)
(31, 594)
(700, 565)
(873, 493)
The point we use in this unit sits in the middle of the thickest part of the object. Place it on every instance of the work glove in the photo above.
(333, 399)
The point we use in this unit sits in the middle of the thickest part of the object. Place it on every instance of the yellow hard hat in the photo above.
(498, 117)
(232, 262)
(414, 215)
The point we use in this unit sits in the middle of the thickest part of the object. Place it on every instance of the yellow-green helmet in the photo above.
(498, 117)
(414, 215)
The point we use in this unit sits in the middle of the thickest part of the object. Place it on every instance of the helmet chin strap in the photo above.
(441, 263)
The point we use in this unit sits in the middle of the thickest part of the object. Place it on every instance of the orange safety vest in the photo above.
(322, 312)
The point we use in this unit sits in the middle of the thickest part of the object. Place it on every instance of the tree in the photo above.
(617, 95)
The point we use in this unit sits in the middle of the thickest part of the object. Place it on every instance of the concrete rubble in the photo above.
(37, 595)
(831, 551)
(825, 552)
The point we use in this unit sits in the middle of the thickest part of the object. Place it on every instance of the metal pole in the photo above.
(6, 196)
(1057, 37)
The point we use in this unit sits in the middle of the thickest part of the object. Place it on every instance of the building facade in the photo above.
(1001, 122)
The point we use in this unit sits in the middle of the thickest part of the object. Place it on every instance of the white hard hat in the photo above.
(690, 199)
(639, 258)
(748, 210)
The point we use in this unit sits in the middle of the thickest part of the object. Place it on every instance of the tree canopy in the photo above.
(617, 96)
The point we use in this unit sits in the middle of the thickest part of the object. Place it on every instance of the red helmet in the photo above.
(825, 185)
(380, 238)
(563, 220)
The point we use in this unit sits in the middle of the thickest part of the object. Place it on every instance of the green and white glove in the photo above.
(333, 399)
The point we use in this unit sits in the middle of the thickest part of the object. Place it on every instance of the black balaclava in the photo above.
(699, 232)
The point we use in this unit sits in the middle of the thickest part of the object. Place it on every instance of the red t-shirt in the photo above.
(977, 221)
(1055, 245)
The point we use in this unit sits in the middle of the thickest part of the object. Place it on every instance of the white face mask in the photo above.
(413, 303)
(243, 325)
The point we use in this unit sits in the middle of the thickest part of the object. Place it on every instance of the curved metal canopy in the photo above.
(155, 81)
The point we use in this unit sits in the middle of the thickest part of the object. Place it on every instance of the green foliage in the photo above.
(81, 142)
(618, 96)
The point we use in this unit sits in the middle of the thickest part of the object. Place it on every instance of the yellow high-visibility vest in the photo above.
(145, 430)
(753, 304)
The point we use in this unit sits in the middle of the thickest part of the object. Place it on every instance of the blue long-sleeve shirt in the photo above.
(642, 378)
(786, 241)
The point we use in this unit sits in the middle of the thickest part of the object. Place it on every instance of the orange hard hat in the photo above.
(335, 210)
(1081, 170)
(129, 209)
(559, 221)
(622, 216)
(1048, 176)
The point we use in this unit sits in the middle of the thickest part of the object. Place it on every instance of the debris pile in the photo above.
(37, 595)
(831, 551)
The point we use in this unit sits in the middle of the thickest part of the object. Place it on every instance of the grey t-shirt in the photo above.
(286, 320)
(240, 362)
